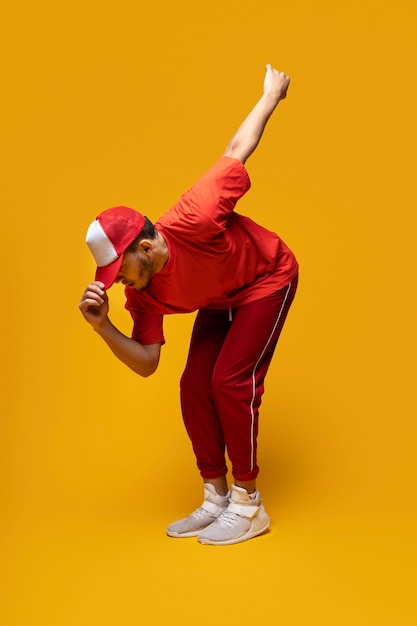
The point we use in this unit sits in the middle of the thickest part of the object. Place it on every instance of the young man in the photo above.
(242, 278)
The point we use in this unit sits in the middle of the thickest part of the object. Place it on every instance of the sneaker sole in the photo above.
(227, 542)
(177, 535)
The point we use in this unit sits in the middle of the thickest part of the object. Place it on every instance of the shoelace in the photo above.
(199, 513)
(227, 518)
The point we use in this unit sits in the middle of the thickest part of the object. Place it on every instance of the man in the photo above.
(242, 278)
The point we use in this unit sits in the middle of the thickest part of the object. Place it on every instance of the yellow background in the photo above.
(127, 103)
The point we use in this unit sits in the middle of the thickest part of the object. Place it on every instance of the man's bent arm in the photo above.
(94, 305)
(250, 132)
(143, 360)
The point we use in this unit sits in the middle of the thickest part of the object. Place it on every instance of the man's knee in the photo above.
(222, 386)
(191, 383)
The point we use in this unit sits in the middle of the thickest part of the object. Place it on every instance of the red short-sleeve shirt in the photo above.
(217, 258)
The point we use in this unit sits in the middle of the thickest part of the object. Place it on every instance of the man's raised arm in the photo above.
(247, 137)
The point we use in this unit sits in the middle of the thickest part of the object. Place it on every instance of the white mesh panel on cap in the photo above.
(100, 245)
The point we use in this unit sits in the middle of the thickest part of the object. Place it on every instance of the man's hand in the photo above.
(94, 304)
(275, 83)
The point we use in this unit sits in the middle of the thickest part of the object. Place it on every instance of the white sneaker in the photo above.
(243, 519)
(206, 514)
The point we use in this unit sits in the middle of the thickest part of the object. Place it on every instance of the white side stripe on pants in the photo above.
(254, 374)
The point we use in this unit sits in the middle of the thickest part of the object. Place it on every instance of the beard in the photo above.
(146, 271)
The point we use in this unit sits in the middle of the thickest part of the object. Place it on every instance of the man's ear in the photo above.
(145, 245)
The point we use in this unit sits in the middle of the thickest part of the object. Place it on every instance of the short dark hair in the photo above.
(148, 232)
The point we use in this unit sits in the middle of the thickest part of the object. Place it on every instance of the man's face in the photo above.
(137, 269)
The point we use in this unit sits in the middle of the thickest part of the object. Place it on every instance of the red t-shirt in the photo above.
(217, 258)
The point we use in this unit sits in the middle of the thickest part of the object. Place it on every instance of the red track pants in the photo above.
(223, 382)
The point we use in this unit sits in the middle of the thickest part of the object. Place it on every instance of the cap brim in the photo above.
(108, 273)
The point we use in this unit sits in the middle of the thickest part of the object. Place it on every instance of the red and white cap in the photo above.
(108, 238)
